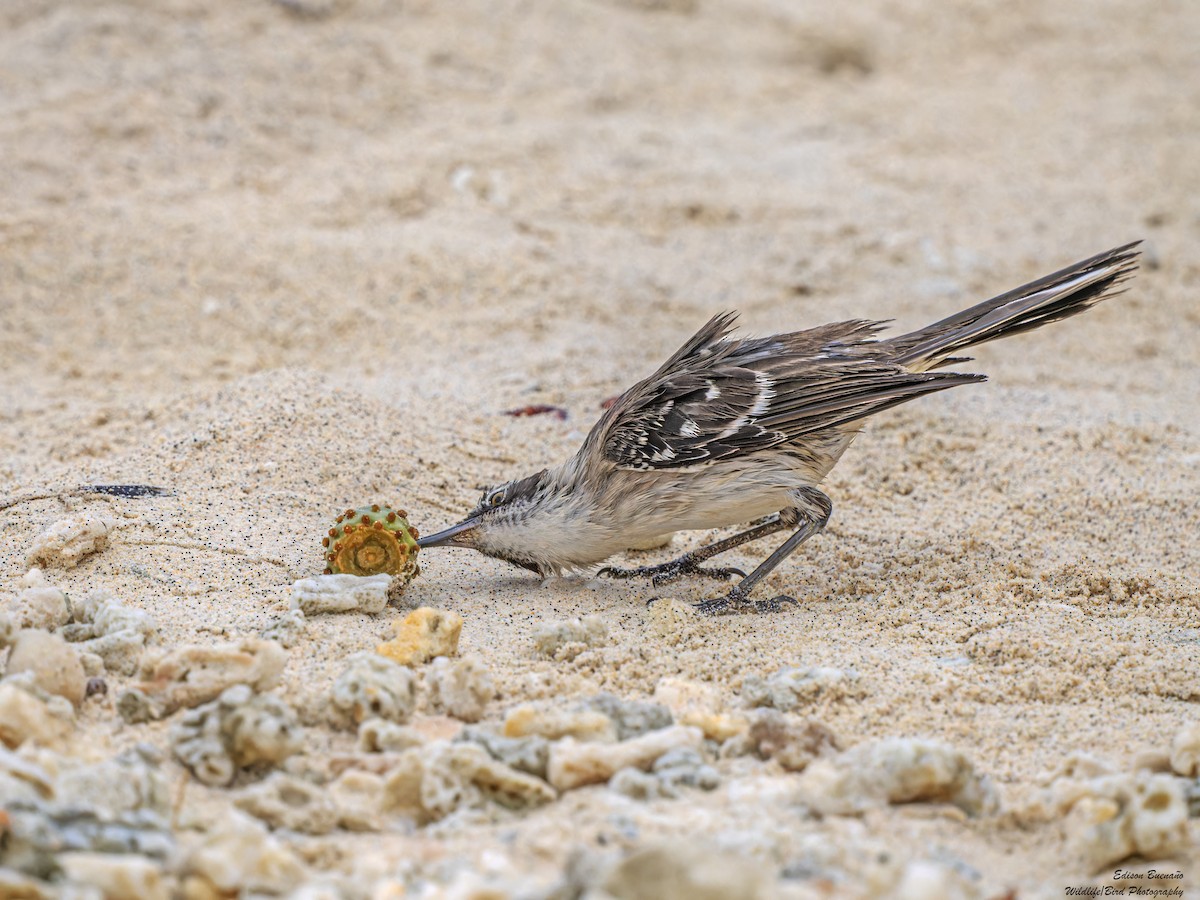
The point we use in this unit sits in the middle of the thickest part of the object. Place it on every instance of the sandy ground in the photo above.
(282, 260)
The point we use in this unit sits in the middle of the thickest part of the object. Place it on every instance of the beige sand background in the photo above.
(285, 259)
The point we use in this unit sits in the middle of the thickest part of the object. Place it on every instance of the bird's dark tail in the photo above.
(1065, 293)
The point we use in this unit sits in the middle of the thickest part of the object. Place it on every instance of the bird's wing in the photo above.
(715, 399)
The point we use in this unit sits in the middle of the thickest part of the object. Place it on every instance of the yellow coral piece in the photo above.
(423, 634)
(583, 725)
(718, 727)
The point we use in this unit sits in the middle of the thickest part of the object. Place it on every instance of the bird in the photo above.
(742, 431)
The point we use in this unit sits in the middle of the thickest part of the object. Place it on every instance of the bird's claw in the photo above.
(618, 572)
(724, 573)
(667, 572)
(736, 601)
(773, 604)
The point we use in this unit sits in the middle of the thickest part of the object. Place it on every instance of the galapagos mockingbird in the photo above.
(730, 431)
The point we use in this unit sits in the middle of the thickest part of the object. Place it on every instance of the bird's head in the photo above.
(500, 524)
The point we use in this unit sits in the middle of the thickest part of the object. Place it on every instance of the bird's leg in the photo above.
(689, 563)
(812, 514)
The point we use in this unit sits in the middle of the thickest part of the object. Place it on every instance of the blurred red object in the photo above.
(538, 409)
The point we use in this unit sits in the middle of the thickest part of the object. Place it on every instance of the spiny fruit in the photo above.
(372, 540)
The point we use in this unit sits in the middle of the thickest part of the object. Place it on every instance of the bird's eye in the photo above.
(491, 497)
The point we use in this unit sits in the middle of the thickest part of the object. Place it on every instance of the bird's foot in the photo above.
(667, 572)
(737, 601)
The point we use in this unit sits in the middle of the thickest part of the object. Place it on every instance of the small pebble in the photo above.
(96, 686)
(39, 604)
(53, 664)
(574, 764)
(27, 713)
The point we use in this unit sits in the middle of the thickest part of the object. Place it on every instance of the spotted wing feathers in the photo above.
(717, 398)
(691, 419)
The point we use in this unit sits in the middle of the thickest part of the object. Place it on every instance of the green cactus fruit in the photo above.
(372, 540)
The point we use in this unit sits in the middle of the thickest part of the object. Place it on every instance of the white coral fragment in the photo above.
(574, 764)
(27, 713)
(288, 629)
(111, 630)
(39, 604)
(53, 664)
(424, 634)
(1185, 751)
(238, 730)
(69, 540)
(382, 736)
(239, 858)
(1117, 816)
(429, 783)
(554, 723)
(116, 875)
(791, 688)
(340, 593)
(373, 687)
(98, 823)
(461, 687)
(565, 640)
(285, 801)
(195, 674)
(896, 770)
(683, 767)
(685, 870)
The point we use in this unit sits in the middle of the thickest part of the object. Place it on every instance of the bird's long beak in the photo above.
(454, 536)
